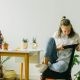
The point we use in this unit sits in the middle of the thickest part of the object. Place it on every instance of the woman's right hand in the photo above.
(60, 47)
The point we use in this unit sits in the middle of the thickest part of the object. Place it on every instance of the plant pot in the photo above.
(5, 46)
(34, 45)
(25, 45)
(10, 75)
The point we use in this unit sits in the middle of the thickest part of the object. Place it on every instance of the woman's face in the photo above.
(66, 30)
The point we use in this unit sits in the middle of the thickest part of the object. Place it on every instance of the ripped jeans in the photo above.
(51, 51)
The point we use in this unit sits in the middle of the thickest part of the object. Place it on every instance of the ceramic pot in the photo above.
(34, 45)
(25, 45)
(5, 46)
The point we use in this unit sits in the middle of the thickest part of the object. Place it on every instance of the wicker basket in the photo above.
(10, 75)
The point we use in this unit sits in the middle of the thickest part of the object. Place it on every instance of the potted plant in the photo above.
(5, 46)
(25, 43)
(34, 43)
(75, 62)
(77, 76)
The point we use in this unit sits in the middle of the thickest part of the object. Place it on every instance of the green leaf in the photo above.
(76, 55)
(78, 78)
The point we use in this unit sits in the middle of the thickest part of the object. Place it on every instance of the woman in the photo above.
(59, 58)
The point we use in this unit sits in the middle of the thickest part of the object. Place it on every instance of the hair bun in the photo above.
(64, 17)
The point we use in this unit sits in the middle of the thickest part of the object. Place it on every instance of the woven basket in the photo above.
(9, 75)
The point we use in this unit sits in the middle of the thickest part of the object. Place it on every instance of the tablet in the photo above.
(70, 46)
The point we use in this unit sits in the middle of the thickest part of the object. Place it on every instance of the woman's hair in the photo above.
(67, 23)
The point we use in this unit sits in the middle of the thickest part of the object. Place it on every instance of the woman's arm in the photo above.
(60, 47)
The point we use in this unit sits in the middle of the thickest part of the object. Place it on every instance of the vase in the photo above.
(10, 75)
(5, 46)
(25, 45)
(34, 45)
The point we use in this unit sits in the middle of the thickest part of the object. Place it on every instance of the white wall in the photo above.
(35, 18)
(26, 18)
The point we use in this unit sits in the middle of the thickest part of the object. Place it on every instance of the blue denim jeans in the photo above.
(51, 51)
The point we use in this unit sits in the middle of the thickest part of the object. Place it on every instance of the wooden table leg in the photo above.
(38, 57)
(26, 66)
(21, 71)
(38, 60)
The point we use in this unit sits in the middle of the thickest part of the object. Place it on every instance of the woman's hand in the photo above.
(78, 48)
(60, 47)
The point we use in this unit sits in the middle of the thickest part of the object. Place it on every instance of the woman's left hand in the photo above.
(78, 48)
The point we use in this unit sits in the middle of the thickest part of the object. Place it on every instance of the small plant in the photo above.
(25, 43)
(34, 43)
(5, 45)
(25, 40)
(34, 40)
